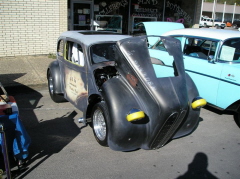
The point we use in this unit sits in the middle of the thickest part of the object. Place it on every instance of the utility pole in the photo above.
(223, 11)
(201, 11)
(233, 11)
(213, 12)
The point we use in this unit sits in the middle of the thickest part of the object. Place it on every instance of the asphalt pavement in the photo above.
(63, 148)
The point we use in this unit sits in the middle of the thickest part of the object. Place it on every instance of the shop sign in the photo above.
(176, 8)
(108, 9)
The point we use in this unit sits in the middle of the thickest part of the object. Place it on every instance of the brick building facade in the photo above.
(30, 27)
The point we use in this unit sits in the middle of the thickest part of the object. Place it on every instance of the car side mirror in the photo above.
(210, 59)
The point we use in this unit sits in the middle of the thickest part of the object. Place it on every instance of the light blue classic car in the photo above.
(211, 58)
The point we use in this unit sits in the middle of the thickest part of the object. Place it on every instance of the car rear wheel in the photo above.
(99, 123)
(57, 98)
(237, 118)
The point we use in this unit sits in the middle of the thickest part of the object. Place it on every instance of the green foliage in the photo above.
(50, 55)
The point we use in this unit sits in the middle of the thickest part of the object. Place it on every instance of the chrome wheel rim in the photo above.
(50, 84)
(99, 125)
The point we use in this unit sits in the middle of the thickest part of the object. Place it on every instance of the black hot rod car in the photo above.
(118, 87)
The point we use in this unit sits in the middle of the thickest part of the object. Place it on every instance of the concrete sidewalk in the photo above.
(24, 70)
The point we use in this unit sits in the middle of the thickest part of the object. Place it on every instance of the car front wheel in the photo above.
(57, 98)
(237, 118)
(99, 123)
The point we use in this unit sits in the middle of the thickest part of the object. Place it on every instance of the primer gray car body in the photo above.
(111, 77)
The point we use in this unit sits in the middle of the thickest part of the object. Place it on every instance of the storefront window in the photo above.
(111, 15)
(144, 11)
(180, 11)
(123, 16)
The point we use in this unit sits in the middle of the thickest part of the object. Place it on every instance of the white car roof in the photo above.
(219, 34)
(91, 37)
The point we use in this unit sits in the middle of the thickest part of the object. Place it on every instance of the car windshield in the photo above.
(159, 45)
(230, 50)
(103, 52)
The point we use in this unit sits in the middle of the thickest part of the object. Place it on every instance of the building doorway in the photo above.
(82, 15)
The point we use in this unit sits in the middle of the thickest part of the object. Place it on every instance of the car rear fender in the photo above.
(56, 74)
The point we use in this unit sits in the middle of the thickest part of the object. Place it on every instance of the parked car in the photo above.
(157, 25)
(209, 22)
(236, 24)
(212, 59)
(117, 86)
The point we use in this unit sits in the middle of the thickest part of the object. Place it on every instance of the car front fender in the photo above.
(192, 118)
(120, 99)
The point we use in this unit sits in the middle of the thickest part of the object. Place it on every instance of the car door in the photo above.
(74, 72)
(199, 55)
(229, 56)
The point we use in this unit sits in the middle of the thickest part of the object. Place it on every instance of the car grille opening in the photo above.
(168, 129)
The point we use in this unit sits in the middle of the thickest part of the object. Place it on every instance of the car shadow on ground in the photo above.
(47, 137)
(218, 111)
(50, 137)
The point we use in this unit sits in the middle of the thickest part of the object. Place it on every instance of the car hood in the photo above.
(159, 28)
(165, 101)
(141, 69)
(137, 54)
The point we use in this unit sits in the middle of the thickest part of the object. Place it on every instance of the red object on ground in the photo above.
(6, 109)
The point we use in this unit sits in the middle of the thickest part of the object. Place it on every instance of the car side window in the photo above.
(179, 38)
(200, 48)
(77, 54)
(74, 53)
(230, 50)
(60, 48)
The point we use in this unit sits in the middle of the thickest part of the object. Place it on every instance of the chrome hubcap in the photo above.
(50, 84)
(99, 125)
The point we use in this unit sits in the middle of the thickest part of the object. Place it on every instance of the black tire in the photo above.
(237, 118)
(57, 98)
(100, 117)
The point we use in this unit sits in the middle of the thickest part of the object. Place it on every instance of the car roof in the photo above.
(92, 37)
(205, 32)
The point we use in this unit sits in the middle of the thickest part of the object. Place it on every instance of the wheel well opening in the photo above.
(234, 107)
(92, 100)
